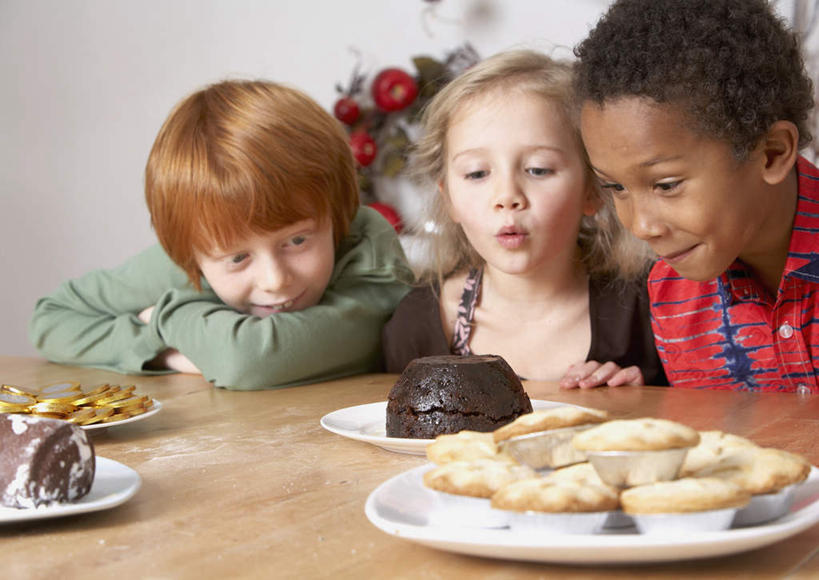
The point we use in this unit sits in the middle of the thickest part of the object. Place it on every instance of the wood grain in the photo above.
(248, 484)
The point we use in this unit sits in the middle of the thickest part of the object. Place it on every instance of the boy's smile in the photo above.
(280, 271)
(683, 192)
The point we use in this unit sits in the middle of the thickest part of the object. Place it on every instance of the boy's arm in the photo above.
(93, 320)
(338, 337)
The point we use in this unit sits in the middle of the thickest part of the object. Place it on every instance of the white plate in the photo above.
(369, 423)
(154, 410)
(402, 506)
(114, 484)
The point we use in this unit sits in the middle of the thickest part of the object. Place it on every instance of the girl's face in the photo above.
(279, 271)
(515, 181)
(682, 192)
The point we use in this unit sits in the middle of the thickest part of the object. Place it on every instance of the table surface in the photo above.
(248, 484)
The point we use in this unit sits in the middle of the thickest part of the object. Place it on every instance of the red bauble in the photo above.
(389, 213)
(346, 110)
(363, 146)
(393, 90)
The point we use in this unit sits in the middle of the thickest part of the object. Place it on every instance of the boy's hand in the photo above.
(589, 374)
(170, 358)
(174, 360)
(145, 315)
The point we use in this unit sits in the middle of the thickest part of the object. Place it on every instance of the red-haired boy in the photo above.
(269, 273)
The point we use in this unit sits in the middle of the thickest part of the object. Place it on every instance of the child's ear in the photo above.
(447, 204)
(592, 201)
(779, 148)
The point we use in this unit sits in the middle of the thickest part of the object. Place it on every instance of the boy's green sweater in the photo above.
(92, 320)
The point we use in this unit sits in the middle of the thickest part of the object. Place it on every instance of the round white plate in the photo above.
(402, 507)
(114, 484)
(369, 423)
(154, 410)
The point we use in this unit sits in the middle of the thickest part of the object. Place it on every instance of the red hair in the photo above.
(246, 156)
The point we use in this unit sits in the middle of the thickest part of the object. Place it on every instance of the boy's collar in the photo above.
(803, 251)
(742, 285)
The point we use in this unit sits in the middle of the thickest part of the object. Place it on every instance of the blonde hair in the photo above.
(606, 247)
(246, 156)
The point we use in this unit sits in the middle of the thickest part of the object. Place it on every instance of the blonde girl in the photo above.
(529, 262)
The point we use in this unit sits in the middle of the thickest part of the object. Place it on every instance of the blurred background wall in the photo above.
(85, 85)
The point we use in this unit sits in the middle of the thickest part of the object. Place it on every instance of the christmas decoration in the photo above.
(394, 90)
(381, 114)
(389, 213)
(346, 110)
(364, 147)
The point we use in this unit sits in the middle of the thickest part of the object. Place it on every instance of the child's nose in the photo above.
(509, 194)
(272, 276)
(644, 222)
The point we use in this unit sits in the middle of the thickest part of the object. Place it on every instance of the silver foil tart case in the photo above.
(452, 510)
(629, 468)
(618, 519)
(766, 507)
(546, 449)
(557, 523)
(684, 523)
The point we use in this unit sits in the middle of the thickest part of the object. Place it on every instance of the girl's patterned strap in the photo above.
(466, 312)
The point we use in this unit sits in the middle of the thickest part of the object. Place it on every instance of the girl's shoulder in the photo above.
(453, 287)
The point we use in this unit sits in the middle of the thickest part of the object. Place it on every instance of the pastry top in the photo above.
(758, 469)
(479, 478)
(644, 434)
(712, 446)
(544, 495)
(548, 419)
(685, 495)
(465, 446)
(579, 473)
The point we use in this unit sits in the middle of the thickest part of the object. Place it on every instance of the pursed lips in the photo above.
(511, 237)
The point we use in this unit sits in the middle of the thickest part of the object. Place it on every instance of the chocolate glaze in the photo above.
(446, 394)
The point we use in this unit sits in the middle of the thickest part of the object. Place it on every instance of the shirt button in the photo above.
(786, 330)
(803, 389)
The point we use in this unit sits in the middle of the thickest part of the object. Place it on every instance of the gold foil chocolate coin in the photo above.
(69, 401)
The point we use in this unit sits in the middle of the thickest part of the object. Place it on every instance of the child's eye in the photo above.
(476, 174)
(539, 171)
(667, 186)
(615, 188)
(238, 258)
(296, 241)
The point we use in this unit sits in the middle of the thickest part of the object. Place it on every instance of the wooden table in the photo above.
(248, 484)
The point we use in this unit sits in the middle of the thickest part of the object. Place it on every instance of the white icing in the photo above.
(19, 424)
(76, 480)
(15, 492)
(31, 448)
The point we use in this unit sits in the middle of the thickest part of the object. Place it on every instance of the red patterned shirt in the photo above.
(728, 333)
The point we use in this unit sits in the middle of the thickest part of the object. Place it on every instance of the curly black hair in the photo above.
(732, 64)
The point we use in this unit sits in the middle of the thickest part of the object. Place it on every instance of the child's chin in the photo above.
(262, 312)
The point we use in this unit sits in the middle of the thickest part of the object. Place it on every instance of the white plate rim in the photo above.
(114, 484)
(373, 415)
(591, 549)
(153, 411)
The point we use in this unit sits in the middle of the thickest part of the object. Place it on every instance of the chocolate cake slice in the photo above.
(446, 394)
(43, 461)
